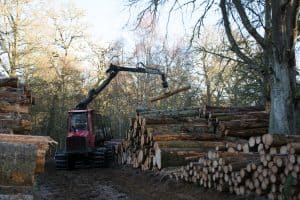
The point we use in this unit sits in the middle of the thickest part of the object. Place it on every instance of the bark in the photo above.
(279, 140)
(243, 124)
(246, 133)
(21, 125)
(186, 136)
(17, 164)
(282, 62)
(206, 145)
(278, 44)
(14, 107)
(218, 109)
(174, 129)
(164, 120)
(168, 94)
(12, 82)
(186, 112)
(42, 144)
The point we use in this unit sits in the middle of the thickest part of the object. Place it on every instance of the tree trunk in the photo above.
(282, 103)
(281, 54)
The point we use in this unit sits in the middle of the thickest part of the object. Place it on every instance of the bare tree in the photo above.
(14, 44)
(273, 26)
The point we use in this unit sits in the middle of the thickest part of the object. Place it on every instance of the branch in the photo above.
(247, 23)
(230, 37)
(199, 22)
(219, 55)
(257, 15)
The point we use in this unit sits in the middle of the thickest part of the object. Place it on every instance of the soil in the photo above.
(116, 183)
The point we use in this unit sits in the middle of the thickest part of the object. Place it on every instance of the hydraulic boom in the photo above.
(111, 72)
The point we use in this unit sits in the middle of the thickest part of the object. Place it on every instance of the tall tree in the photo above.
(15, 23)
(277, 20)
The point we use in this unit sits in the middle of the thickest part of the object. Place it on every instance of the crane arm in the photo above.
(112, 71)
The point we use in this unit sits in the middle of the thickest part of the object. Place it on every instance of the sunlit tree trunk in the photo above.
(283, 67)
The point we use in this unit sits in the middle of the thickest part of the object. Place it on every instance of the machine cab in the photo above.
(78, 121)
(80, 130)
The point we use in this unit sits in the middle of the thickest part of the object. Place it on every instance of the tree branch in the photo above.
(247, 23)
(230, 37)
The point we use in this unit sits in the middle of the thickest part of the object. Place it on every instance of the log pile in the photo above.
(17, 164)
(223, 148)
(42, 144)
(273, 171)
(15, 104)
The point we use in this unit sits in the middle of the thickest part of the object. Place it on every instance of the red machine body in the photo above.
(80, 124)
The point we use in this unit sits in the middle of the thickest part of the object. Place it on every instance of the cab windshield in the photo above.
(79, 121)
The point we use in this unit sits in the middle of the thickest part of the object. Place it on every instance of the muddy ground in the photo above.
(117, 183)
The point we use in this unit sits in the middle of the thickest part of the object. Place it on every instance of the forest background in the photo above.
(52, 48)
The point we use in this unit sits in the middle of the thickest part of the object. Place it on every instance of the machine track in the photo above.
(99, 158)
(61, 161)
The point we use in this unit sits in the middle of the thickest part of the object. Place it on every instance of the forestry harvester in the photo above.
(87, 142)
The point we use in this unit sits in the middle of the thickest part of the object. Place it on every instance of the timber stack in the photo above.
(272, 171)
(226, 148)
(21, 155)
(15, 105)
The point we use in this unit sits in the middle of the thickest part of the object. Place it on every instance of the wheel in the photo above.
(61, 161)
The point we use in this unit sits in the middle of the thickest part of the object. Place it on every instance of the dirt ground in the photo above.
(117, 183)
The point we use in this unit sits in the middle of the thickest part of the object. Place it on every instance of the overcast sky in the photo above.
(108, 19)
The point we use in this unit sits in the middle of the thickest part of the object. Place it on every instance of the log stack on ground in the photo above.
(42, 144)
(15, 105)
(223, 148)
(273, 171)
(17, 164)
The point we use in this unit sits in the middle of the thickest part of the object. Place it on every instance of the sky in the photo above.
(108, 19)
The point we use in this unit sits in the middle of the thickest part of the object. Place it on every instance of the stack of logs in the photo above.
(15, 103)
(274, 171)
(21, 155)
(216, 147)
(42, 143)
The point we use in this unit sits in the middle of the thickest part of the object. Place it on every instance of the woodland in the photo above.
(247, 58)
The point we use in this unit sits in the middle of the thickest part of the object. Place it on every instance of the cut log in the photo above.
(14, 97)
(279, 140)
(13, 107)
(17, 164)
(170, 93)
(166, 159)
(246, 133)
(187, 112)
(231, 116)
(186, 136)
(42, 143)
(218, 109)
(16, 125)
(243, 124)
(173, 129)
(165, 120)
(12, 82)
(188, 144)
(294, 147)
